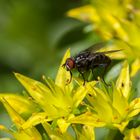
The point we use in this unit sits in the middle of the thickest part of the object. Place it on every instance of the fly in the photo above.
(89, 59)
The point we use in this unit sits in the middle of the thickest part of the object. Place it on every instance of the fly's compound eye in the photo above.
(69, 64)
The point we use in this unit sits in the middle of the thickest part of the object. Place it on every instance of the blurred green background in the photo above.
(34, 35)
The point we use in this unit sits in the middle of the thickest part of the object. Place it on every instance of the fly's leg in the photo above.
(82, 73)
(83, 79)
(68, 81)
(93, 72)
(105, 69)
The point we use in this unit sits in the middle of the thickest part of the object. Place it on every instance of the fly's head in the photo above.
(69, 64)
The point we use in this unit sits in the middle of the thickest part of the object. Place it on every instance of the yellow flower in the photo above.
(111, 107)
(56, 106)
(114, 21)
(132, 134)
(53, 101)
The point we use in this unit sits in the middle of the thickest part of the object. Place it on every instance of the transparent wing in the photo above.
(95, 47)
(112, 51)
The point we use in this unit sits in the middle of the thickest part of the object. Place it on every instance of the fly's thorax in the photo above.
(82, 57)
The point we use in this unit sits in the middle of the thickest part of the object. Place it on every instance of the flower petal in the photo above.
(55, 105)
(63, 76)
(121, 126)
(134, 108)
(88, 132)
(101, 104)
(81, 92)
(88, 119)
(63, 125)
(85, 13)
(18, 121)
(36, 89)
(120, 103)
(132, 134)
(135, 67)
(36, 119)
(55, 134)
(123, 82)
(25, 107)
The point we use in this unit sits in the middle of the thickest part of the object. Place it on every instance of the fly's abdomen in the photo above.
(99, 59)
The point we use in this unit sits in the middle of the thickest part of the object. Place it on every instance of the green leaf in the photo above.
(4, 129)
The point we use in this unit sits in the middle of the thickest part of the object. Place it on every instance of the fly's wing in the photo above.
(112, 51)
(95, 47)
(91, 49)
